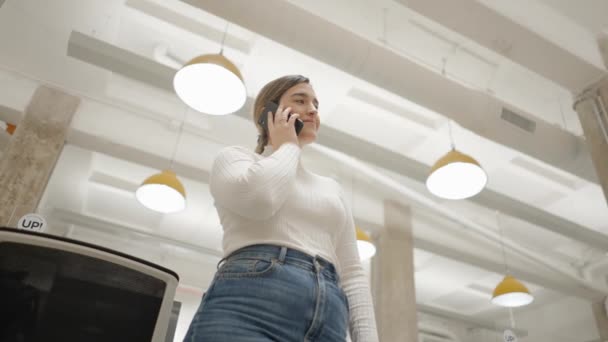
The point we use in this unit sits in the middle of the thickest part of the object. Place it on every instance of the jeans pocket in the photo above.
(246, 267)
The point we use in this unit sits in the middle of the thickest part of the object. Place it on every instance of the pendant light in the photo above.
(364, 244)
(163, 192)
(456, 175)
(510, 292)
(211, 84)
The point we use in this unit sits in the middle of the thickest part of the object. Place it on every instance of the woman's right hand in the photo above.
(281, 130)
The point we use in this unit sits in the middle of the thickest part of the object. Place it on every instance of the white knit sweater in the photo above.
(272, 199)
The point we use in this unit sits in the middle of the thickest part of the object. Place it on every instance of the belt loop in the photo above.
(317, 264)
(220, 262)
(282, 254)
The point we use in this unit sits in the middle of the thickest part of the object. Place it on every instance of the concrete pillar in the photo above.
(601, 320)
(602, 42)
(393, 277)
(592, 109)
(32, 152)
(4, 140)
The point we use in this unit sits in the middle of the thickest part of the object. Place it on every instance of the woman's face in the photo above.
(303, 100)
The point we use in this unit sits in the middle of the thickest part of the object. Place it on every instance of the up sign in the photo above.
(32, 222)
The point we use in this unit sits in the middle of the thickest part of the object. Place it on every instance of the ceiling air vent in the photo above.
(518, 120)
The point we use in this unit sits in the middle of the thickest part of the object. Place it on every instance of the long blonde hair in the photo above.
(272, 91)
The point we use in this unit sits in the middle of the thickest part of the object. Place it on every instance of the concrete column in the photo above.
(4, 139)
(602, 42)
(601, 320)
(393, 277)
(592, 109)
(32, 152)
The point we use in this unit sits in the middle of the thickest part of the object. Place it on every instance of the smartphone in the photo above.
(273, 107)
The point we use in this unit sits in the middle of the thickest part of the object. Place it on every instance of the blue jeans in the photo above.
(270, 293)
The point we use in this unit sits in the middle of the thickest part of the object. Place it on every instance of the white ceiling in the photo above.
(591, 14)
(125, 130)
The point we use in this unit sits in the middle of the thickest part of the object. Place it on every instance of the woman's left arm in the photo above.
(354, 282)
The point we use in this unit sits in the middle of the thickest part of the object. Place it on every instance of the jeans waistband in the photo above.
(286, 255)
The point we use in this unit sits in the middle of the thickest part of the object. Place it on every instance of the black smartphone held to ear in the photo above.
(273, 107)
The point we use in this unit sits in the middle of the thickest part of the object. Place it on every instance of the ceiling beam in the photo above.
(199, 28)
(385, 68)
(114, 229)
(513, 41)
(124, 62)
(466, 257)
(118, 60)
(560, 285)
(103, 145)
(480, 323)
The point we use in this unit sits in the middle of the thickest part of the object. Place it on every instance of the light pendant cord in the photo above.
(444, 60)
(451, 135)
(561, 110)
(179, 136)
(502, 244)
(224, 37)
(352, 192)
(512, 318)
(491, 80)
(384, 23)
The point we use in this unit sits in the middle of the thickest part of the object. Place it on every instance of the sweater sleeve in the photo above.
(354, 283)
(255, 189)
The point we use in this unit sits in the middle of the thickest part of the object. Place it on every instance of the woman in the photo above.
(291, 270)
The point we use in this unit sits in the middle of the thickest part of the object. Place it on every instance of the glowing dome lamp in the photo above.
(210, 84)
(162, 192)
(511, 293)
(456, 176)
(364, 245)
